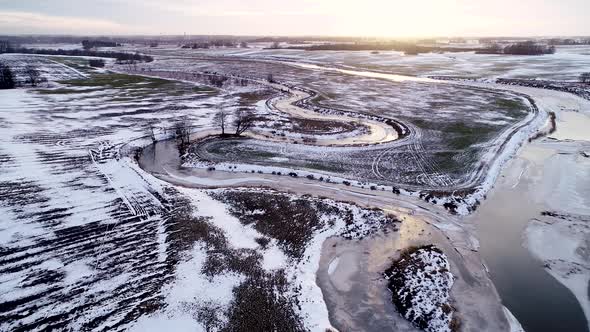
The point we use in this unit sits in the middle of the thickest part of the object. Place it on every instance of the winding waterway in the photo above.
(537, 299)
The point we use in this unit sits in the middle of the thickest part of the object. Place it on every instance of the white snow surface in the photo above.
(428, 286)
(563, 245)
(512, 321)
(187, 293)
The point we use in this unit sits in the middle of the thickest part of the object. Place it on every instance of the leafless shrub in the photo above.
(6, 77)
(243, 121)
(33, 75)
(182, 132)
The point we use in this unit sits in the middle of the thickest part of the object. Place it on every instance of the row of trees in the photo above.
(90, 44)
(4, 46)
(8, 79)
(215, 43)
(406, 47)
(243, 120)
(119, 56)
(529, 48)
(97, 63)
(523, 48)
(569, 41)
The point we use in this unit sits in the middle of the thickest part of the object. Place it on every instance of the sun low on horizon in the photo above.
(380, 18)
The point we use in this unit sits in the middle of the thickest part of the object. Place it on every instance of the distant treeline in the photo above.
(88, 44)
(178, 39)
(121, 57)
(97, 63)
(5, 45)
(212, 43)
(568, 41)
(523, 48)
(407, 48)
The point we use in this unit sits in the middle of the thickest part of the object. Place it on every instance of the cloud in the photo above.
(320, 17)
(27, 22)
(231, 8)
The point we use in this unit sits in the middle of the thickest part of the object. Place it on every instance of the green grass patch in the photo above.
(78, 63)
(328, 167)
(203, 89)
(462, 136)
(255, 154)
(459, 135)
(446, 161)
(65, 91)
(114, 80)
(511, 106)
(136, 86)
(463, 129)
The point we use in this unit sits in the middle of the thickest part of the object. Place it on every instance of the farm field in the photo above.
(566, 64)
(454, 129)
(356, 197)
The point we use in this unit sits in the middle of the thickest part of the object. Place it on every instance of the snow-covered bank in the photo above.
(563, 244)
(301, 238)
(545, 176)
(560, 235)
(514, 324)
(97, 224)
(420, 282)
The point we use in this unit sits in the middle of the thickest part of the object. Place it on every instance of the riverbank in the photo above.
(460, 233)
(350, 275)
(422, 224)
(539, 208)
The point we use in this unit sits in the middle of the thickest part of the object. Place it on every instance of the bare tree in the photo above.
(585, 77)
(6, 77)
(151, 131)
(244, 44)
(243, 121)
(220, 119)
(182, 132)
(217, 80)
(33, 74)
(270, 78)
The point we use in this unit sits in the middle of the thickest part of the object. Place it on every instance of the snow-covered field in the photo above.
(566, 64)
(89, 240)
(49, 69)
(81, 233)
(453, 126)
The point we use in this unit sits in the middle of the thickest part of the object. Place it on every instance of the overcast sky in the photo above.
(390, 18)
